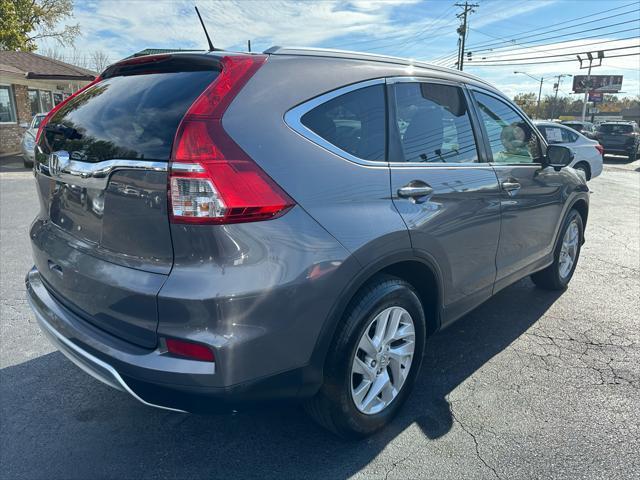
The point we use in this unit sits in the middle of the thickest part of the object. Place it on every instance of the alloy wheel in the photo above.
(569, 249)
(382, 360)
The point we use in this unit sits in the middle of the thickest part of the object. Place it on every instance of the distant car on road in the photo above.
(588, 153)
(587, 129)
(619, 138)
(29, 139)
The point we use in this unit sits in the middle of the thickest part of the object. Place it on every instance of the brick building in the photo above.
(30, 84)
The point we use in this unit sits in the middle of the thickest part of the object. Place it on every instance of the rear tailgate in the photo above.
(615, 135)
(102, 240)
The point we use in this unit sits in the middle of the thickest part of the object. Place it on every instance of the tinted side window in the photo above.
(433, 123)
(512, 140)
(353, 122)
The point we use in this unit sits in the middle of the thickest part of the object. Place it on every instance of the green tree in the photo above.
(22, 22)
(527, 102)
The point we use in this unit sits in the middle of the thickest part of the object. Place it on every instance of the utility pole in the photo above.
(462, 29)
(556, 87)
(587, 86)
(249, 46)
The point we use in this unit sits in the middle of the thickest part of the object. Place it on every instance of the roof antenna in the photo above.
(211, 48)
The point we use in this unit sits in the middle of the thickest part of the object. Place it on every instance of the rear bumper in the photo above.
(139, 372)
(619, 149)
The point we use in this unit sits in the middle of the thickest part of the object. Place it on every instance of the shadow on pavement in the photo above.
(60, 423)
(12, 163)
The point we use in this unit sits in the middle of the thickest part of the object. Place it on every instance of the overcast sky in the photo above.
(421, 29)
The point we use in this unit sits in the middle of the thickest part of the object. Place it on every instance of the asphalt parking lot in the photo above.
(532, 384)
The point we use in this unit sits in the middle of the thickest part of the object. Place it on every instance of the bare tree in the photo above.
(72, 57)
(99, 60)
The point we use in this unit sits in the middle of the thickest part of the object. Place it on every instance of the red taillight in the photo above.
(212, 179)
(58, 106)
(191, 350)
(600, 148)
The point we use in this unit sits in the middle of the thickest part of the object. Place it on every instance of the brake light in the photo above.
(191, 350)
(58, 106)
(600, 149)
(212, 180)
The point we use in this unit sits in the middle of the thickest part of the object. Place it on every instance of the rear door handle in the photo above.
(415, 189)
(511, 186)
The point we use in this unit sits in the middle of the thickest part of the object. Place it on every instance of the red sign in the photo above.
(596, 97)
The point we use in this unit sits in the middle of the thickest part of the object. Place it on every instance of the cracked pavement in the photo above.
(532, 384)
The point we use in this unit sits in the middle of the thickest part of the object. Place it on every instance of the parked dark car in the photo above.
(219, 229)
(619, 138)
(587, 129)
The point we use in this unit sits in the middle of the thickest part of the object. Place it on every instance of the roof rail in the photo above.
(371, 57)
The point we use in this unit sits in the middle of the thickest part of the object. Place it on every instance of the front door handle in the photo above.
(415, 189)
(511, 186)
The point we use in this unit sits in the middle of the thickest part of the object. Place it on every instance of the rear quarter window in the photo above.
(353, 122)
(125, 117)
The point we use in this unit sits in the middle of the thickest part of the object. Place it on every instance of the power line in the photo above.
(580, 38)
(487, 44)
(414, 40)
(569, 54)
(476, 64)
(536, 47)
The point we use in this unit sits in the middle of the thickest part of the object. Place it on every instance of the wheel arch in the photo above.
(418, 269)
(582, 207)
(587, 166)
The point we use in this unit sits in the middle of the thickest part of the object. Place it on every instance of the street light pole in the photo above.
(539, 96)
(586, 92)
(539, 91)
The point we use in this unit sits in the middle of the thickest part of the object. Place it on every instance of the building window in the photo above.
(46, 101)
(40, 101)
(7, 105)
(34, 101)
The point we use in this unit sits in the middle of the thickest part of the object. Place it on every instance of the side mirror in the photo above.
(559, 156)
(24, 125)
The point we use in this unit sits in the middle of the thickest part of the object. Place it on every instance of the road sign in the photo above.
(598, 83)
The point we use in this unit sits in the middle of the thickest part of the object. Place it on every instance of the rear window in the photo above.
(615, 128)
(353, 122)
(125, 117)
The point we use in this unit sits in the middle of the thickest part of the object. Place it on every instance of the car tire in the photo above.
(633, 156)
(558, 275)
(584, 168)
(334, 406)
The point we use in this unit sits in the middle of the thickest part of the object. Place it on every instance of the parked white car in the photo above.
(29, 139)
(588, 153)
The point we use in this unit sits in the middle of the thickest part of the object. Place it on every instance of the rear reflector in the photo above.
(212, 180)
(193, 351)
(600, 148)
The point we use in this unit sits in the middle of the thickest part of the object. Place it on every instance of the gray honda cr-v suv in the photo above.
(221, 228)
